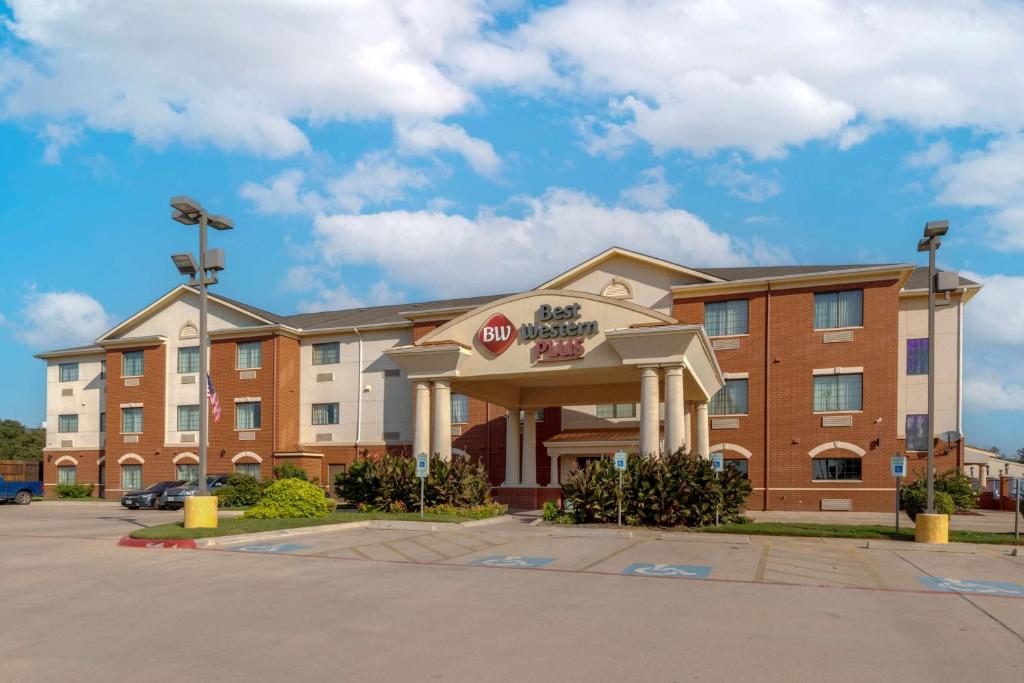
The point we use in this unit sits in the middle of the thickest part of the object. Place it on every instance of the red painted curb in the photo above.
(129, 542)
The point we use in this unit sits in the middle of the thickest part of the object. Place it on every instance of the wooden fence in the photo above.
(21, 470)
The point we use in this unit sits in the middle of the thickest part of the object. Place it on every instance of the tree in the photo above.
(18, 442)
(1020, 454)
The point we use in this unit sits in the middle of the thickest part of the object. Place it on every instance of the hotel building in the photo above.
(807, 379)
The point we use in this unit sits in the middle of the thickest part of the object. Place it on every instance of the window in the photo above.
(726, 317)
(539, 413)
(103, 422)
(832, 469)
(103, 369)
(131, 364)
(67, 424)
(839, 309)
(69, 372)
(131, 477)
(460, 409)
(393, 372)
(731, 399)
(131, 420)
(251, 469)
(327, 353)
(247, 415)
(917, 356)
(188, 418)
(250, 355)
(741, 465)
(325, 413)
(610, 410)
(186, 471)
(838, 392)
(67, 474)
(917, 432)
(188, 359)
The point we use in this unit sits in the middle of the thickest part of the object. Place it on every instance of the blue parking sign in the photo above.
(898, 463)
(620, 460)
(422, 465)
(717, 461)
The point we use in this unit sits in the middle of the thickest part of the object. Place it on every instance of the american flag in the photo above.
(211, 394)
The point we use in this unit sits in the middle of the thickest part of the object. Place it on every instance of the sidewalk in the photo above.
(986, 520)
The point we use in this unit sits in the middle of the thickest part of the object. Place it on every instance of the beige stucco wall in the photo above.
(650, 283)
(87, 401)
(386, 401)
(912, 390)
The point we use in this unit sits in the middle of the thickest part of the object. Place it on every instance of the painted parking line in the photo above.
(946, 585)
(518, 561)
(268, 548)
(674, 571)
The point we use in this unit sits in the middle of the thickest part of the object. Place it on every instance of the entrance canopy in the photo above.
(557, 348)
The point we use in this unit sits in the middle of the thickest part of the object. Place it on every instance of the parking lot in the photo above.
(498, 602)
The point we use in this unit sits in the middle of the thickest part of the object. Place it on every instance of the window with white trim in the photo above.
(327, 353)
(608, 411)
(326, 413)
(186, 471)
(67, 474)
(839, 309)
(131, 420)
(251, 469)
(917, 432)
(723, 318)
(834, 393)
(131, 477)
(188, 359)
(836, 469)
(741, 465)
(67, 424)
(247, 415)
(731, 399)
(69, 372)
(250, 355)
(188, 418)
(132, 364)
(460, 409)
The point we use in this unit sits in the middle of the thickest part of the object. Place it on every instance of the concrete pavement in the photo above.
(391, 605)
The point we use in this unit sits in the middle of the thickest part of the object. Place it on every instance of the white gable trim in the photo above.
(246, 454)
(130, 456)
(837, 445)
(185, 456)
(166, 299)
(558, 281)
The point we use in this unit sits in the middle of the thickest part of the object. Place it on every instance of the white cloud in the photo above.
(428, 136)
(994, 344)
(450, 255)
(58, 138)
(282, 194)
(375, 179)
(652, 192)
(52, 319)
(938, 153)
(763, 76)
(744, 184)
(122, 66)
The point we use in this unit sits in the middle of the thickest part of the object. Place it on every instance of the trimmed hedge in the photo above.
(389, 482)
(667, 491)
(241, 490)
(74, 490)
(289, 498)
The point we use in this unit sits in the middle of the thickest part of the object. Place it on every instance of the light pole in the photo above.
(189, 212)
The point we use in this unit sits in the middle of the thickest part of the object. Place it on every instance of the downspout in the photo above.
(960, 379)
(359, 391)
(767, 383)
(273, 427)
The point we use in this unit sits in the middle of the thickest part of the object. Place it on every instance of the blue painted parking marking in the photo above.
(269, 548)
(674, 571)
(945, 585)
(519, 561)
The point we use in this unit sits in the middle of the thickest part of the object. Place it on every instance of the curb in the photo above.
(129, 542)
(283, 533)
(703, 537)
(589, 533)
(962, 548)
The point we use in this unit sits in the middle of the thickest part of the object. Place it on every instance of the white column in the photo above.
(442, 442)
(673, 408)
(530, 448)
(511, 448)
(649, 410)
(687, 437)
(421, 433)
(553, 482)
(703, 443)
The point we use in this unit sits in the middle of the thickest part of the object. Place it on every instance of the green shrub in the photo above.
(660, 491)
(485, 511)
(550, 511)
(914, 499)
(381, 482)
(241, 490)
(288, 470)
(74, 490)
(960, 487)
(288, 498)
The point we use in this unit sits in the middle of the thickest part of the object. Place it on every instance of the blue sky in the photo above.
(502, 142)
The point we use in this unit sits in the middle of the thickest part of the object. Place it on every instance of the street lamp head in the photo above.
(185, 264)
(183, 218)
(219, 222)
(187, 205)
(925, 244)
(936, 228)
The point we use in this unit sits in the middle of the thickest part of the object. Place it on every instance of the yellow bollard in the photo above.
(931, 528)
(201, 512)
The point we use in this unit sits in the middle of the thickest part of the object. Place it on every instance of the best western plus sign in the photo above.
(553, 323)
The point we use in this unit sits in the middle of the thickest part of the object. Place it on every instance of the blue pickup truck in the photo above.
(21, 492)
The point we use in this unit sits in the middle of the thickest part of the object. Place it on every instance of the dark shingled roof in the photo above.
(371, 315)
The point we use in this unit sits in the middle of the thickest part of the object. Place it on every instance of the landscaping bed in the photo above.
(242, 525)
(864, 531)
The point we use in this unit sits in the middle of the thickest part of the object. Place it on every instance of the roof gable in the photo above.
(577, 271)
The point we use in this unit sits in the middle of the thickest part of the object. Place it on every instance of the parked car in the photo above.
(21, 492)
(148, 497)
(174, 498)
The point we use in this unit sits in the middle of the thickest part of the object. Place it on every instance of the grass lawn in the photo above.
(850, 531)
(237, 525)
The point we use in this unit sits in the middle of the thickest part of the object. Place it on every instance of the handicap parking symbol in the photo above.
(517, 561)
(674, 571)
(269, 548)
(945, 585)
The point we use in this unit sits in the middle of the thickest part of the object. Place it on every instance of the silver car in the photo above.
(175, 498)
